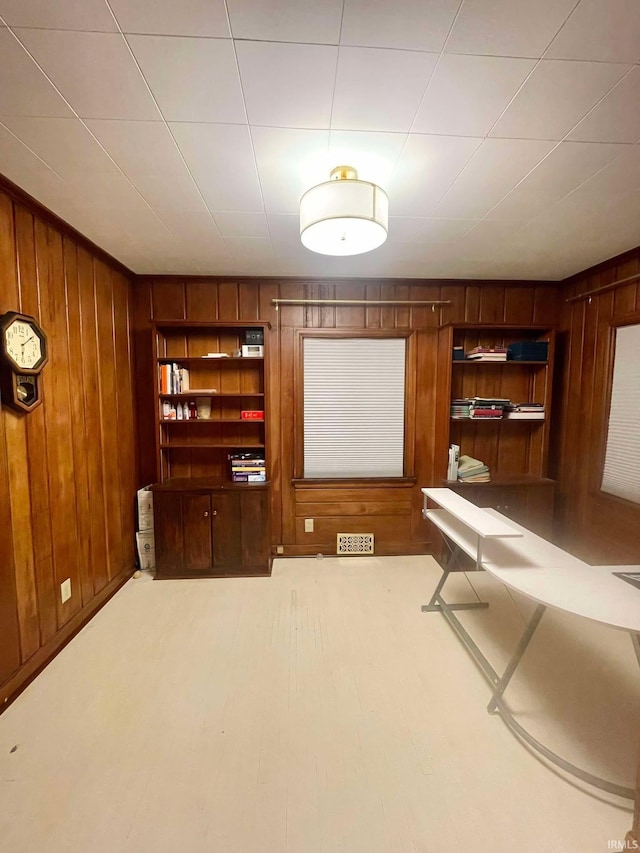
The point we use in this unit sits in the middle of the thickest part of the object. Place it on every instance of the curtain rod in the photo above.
(589, 293)
(432, 303)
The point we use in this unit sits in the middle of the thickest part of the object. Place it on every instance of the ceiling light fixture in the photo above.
(344, 216)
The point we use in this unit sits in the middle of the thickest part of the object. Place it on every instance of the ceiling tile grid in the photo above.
(180, 137)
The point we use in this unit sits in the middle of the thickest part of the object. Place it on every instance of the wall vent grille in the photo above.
(354, 543)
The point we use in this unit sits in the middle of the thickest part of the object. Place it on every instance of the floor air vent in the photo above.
(354, 543)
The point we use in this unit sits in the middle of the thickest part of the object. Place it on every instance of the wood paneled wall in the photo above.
(391, 513)
(598, 527)
(67, 469)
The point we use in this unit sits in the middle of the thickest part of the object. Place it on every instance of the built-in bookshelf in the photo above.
(516, 448)
(209, 401)
(210, 412)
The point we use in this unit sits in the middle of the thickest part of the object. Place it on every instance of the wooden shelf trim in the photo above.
(213, 394)
(503, 480)
(512, 362)
(200, 359)
(213, 421)
(205, 446)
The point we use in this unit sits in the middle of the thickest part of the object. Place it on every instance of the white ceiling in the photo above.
(179, 135)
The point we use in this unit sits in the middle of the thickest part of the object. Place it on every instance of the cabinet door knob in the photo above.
(206, 515)
(215, 512)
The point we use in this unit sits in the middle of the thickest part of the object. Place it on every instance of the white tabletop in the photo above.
(472, 516)
(547, 574)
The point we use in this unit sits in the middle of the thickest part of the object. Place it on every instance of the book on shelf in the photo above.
(472, 470)
(487, 354)
(452, 468)
(524, 416)
(460, 408)
(491, 414)
(525, 411)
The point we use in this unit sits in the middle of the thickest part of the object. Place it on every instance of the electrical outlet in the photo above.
(279, 549)
(308, 525)
(65, 590)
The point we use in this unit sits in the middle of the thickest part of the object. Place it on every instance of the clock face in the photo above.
(23, 344)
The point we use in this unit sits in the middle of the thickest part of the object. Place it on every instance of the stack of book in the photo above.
(472, 470)
(248, 468)
(173, 379)
(460, 409)
(487, 354)
(524, 411)
(487, 407)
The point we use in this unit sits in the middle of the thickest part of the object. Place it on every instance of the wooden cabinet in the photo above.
(205, 524)
(516, 451)
(212, 531)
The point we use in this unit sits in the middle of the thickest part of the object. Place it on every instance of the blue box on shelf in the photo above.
(528, 351)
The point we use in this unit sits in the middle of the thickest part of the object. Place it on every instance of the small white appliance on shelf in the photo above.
(252, 351)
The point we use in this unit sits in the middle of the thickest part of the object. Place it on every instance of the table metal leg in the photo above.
(436, 603)
(521, 648)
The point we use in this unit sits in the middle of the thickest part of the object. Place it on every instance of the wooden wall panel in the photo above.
(248, 300)
(58, 478)
(598, 527)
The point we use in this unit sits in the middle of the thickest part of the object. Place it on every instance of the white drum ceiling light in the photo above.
(344, 216)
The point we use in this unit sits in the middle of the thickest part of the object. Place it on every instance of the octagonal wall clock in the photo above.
(23, 354)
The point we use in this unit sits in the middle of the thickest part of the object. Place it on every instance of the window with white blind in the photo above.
(620, 475)
(354, 407)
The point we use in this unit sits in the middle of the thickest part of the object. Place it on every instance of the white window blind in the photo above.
(354, 407)
(622, 459)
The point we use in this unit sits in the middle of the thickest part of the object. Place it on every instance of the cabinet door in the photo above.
(196, 524)
(226, 530)
(167, 514)
(255, 529)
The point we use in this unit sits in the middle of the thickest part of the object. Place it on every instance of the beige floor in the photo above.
(318, 710)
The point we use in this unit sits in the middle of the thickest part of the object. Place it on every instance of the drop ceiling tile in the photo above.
(90, 15)
(286, 20)
(139, 147)
(467, 94)
(289, 163)
(620, 176)
(177, 190)
(24, 89)
(507, 27)
(445, 230)
(287, 85)
(24, 168)
(372, 154)
(425, 170)
(166, 17)
(221, 161)
(284, 229)
(249, 248)
(617, 117)
(405, 24)
(65, 144)
(600, 30)
(192, 79)
(379, 89)
(556, 96)
(404, 229)
(496, 168)
(485, 237)
(109, 191)
(242, 224)
(95, 72)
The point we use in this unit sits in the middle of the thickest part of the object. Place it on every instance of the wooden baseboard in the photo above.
(390, 550)
(20, 679)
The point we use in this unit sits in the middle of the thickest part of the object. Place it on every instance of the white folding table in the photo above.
(540, 571)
